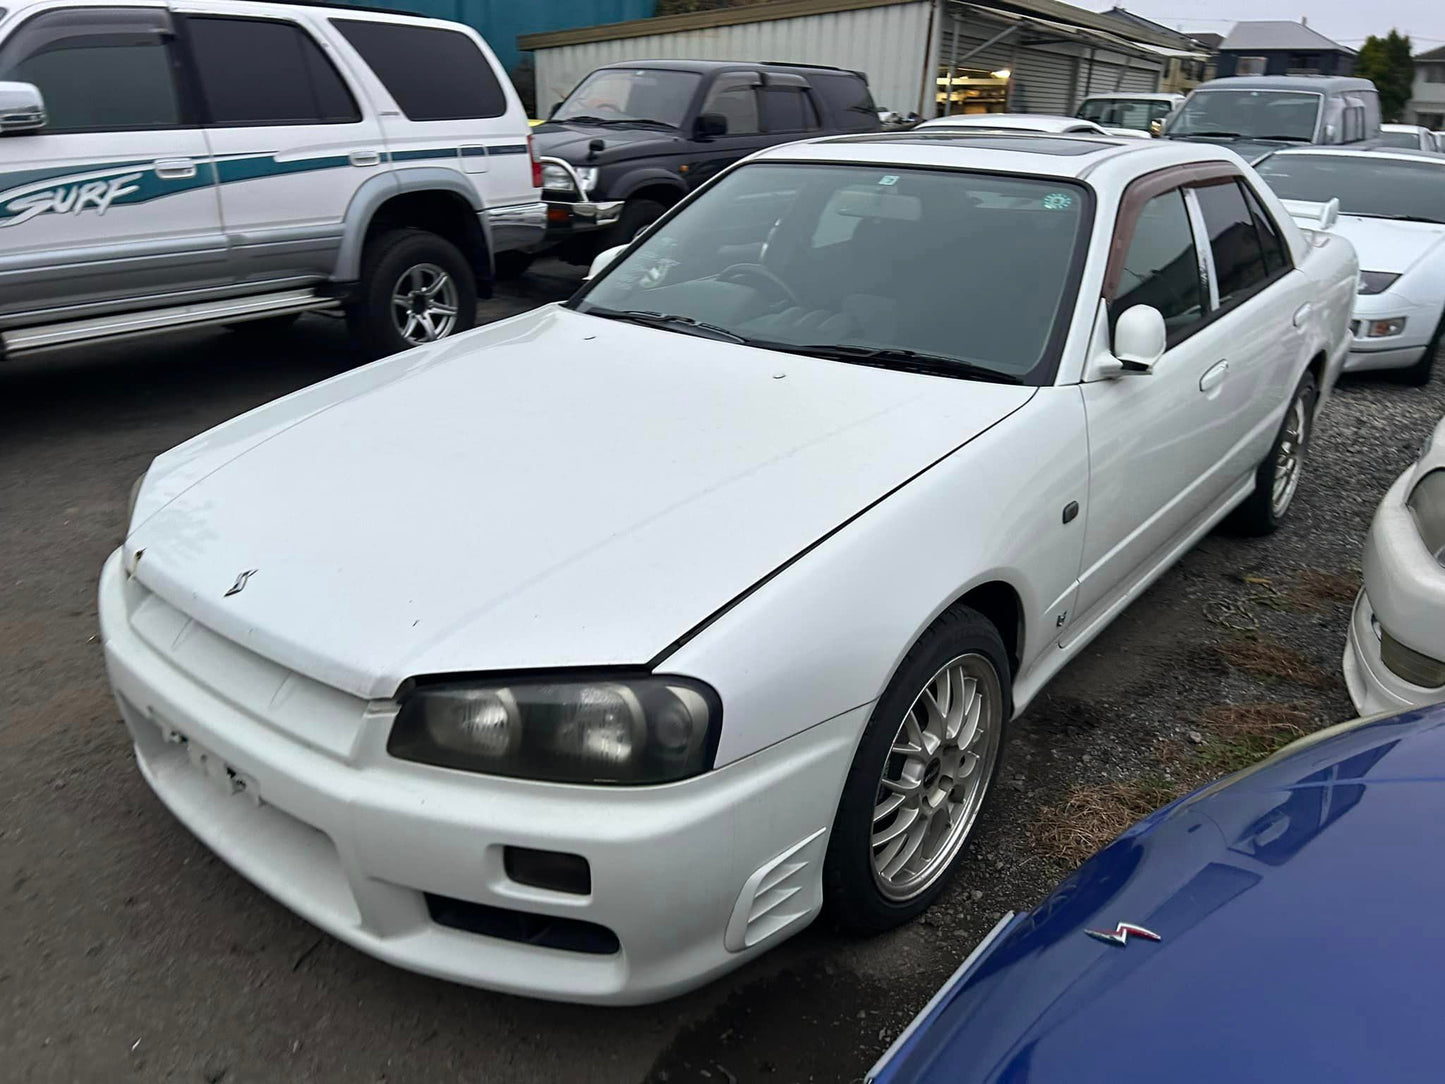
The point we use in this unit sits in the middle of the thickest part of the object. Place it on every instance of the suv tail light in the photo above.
(536, 165)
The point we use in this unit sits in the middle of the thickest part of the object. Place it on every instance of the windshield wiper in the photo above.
(603, 122)
(668, 322)
(1216, 135)
(1394, 218)
(638, 120)
(911, 361)
(1283, 138)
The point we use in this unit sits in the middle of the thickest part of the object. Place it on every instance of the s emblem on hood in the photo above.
(1119, 935)
(240, 584)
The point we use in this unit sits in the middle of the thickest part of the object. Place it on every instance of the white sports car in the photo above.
(587, 655)
(1391, 207)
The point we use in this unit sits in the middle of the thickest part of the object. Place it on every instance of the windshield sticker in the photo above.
(1058, 201)
(888, 178)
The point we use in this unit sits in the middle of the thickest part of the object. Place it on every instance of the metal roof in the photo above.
(1272, 34)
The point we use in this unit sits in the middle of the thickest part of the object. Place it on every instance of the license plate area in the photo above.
(218, 773)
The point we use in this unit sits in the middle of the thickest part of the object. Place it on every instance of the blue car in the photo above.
(1283, 924)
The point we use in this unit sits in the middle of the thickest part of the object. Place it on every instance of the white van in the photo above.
(168, 165)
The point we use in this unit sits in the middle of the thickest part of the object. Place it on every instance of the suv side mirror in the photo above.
(1140, 338)
(603, 260)
(710, 125)
(22, 108)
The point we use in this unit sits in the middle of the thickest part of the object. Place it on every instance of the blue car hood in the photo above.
(1298, 906)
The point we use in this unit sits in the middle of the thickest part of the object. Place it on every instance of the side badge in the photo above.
(240, 584)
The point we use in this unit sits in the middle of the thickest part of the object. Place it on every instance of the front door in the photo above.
(291, 144)
(113, 201)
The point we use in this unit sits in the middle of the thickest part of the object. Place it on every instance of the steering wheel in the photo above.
(741, 272)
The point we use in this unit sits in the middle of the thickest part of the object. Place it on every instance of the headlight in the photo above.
(588, 176)
(603, 730)
(556, 178)
(1376, 282)
(1384, 329)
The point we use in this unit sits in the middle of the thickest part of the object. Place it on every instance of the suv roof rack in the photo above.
(798, 64)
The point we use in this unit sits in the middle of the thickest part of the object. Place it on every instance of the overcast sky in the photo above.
(1346, 21)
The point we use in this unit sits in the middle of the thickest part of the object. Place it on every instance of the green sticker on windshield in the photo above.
(1058, 201)
(888, 178)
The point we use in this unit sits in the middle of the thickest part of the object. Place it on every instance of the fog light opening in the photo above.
(555, 871)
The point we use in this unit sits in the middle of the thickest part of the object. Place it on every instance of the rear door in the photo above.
(291, 139)
(114, 199)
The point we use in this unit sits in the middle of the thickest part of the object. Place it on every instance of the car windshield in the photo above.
(619, 95)
(1377, 187)
(969, 270)
(1136, 113)
(1248, 114)
(1400, 139)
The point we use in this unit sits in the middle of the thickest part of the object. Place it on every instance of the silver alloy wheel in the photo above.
(936, 775)
(424, 303)
(1289, 457)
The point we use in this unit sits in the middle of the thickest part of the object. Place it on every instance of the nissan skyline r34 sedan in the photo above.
(591, 653)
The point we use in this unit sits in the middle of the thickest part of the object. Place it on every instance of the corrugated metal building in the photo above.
(932, 56)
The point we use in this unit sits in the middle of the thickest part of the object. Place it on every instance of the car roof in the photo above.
(735, 65)
(322, 8)
(1320, 84)
(1404, 154)
(1042, 122)
(1142, 96)
(1113, 160)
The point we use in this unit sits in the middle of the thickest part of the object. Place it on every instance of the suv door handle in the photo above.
(175, 169)
(365, 158)
(1302, 314)
(1214, 376)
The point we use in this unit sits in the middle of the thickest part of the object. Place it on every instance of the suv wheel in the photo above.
(415, 288)
(636, 215)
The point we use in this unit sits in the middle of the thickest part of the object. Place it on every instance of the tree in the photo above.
(1386, 62)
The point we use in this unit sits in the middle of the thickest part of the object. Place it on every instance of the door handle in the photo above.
(1302, 314)
(365, 158)
(1214, 376)
(175, 169)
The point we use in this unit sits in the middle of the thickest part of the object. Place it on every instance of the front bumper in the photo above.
(1404, 591)
(1394, 351)
(517, 227)
(568, 217)
(289, 782)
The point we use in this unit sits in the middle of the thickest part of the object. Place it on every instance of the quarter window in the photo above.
(1161, 267)
(261, 71)
(736, 98)
(1276, 256)
(1238, 255)
(848, 99)
(433, 74)
(99, 69)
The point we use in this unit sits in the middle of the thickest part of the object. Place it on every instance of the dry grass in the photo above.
(1267, 660)
(1235, 736)
(1314, 587)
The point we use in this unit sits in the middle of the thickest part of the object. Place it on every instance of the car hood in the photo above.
(572, 142)
(552, 490)
(1386, 245)
(1298, 935)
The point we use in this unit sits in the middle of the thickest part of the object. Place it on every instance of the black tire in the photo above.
(1258, 515)
(267, 325)
(386, 260)
(512, 265)
(852, 894)
(636, 215)
(1418, 375)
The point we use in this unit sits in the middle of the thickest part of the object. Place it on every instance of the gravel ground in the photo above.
(129, 953)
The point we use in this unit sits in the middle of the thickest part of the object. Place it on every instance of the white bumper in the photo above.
(289, 782)
(1394, 351)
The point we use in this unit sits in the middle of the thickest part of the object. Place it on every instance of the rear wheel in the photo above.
(415, 288)
(920, 775)
(1277, 478)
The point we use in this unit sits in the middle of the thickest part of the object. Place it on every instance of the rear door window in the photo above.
(264, 71)
(433, 74)
(1239, 264)
(1276, 255)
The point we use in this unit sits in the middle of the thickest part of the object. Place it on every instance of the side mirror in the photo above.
(1139, 338)
(710, 125)
(602, 261)
(22, 108)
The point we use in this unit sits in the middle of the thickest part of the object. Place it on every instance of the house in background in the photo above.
(1183, 73)
(1278, 47)
(1427, 97)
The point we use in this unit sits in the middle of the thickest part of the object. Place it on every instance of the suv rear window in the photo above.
(432, 74)
(848, 101)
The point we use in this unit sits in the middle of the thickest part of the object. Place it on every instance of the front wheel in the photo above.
(920, 776)
(1277, 478)
(415, 288)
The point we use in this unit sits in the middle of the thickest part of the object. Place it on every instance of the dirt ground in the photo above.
(129, 953)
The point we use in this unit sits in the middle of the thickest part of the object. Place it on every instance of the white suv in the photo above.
(166, 165)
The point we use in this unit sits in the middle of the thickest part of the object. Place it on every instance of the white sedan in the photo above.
(1395, 652)
(1410, 136)
(587, 655)
(1047, 123)
(1391, 207)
